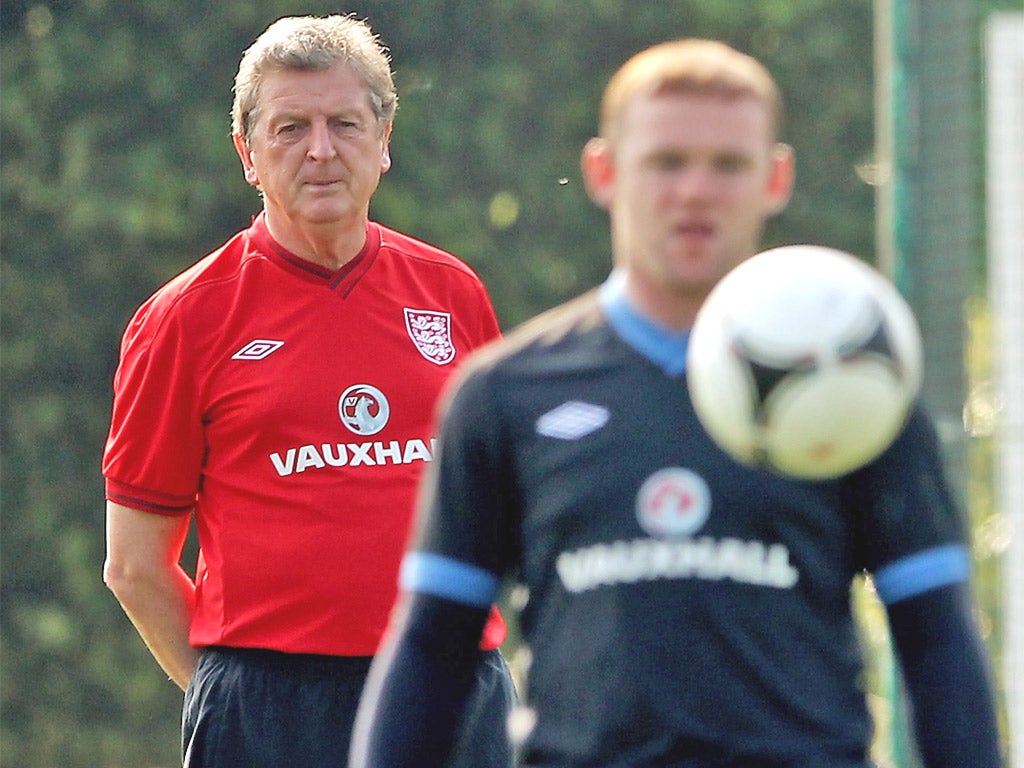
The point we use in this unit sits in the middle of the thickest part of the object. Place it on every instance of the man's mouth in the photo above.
(695, 229)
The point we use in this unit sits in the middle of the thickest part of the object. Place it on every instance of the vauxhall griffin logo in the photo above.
(673, 502)
(364, 409)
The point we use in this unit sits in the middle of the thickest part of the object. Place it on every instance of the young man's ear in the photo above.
(598, 167)
(783, 175)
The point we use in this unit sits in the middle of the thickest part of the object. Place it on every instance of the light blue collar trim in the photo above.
(662, 346)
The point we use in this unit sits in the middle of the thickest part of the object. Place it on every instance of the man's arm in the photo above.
(143, 571)
(948, 678)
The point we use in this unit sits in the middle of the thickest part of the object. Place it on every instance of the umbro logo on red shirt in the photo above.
(257, 349)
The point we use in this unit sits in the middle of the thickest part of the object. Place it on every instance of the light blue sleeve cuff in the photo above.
(451, 579)
(923, 571)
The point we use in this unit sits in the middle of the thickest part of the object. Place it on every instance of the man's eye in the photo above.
(669, 162)
(289, 129)
(731, 164)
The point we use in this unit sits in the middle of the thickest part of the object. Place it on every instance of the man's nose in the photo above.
(321, 144)
(695, 180)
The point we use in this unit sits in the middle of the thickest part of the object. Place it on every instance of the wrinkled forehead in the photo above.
(338, 85)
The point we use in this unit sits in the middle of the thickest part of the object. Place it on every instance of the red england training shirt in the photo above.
(292, 407)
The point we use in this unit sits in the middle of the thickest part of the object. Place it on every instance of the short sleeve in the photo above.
(901, 502)
(468, 505)
(154, 450)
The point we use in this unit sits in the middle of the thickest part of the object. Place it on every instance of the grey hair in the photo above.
(313, 43)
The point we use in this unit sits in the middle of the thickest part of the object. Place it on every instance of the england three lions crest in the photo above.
(431, 332)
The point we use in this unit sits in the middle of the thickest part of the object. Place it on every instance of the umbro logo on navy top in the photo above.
(257, 349)
(572, 420)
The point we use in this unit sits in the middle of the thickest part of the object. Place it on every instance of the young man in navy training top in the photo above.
(281, 393)
(683, 610)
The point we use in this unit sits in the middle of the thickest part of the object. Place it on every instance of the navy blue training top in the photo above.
(680, 604)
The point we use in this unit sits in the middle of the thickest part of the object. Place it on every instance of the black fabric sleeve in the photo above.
(469, 504)
(418, 685)
(946, 671)
(901, 503)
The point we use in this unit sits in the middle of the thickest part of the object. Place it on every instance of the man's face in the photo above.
(689, 185)
(316, 149)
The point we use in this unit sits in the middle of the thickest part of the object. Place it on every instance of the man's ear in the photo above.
(598, 167)
(781, 178)
(385, 158)
(245, 155)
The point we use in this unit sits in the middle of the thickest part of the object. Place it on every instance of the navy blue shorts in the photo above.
(257, 708)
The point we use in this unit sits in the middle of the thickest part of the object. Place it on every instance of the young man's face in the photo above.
(688, 185)
(316, 149)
